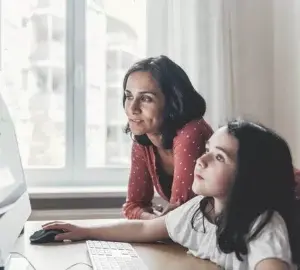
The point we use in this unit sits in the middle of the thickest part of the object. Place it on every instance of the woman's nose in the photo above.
(135, 107)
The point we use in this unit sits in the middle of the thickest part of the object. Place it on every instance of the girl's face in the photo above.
(215, 169)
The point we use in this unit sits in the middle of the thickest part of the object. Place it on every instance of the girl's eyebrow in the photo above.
(226, 152)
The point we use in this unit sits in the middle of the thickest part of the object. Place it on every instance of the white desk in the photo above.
(61, 255)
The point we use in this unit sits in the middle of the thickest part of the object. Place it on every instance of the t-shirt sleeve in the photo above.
(140, 188)
(178, 221)
(189, 145)
(271, 242)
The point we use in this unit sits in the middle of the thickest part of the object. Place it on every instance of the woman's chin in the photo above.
(137, 132)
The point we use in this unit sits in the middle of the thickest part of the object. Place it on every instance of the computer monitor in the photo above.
(14, 200)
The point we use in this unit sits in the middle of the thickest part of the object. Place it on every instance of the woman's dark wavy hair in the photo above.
(182, 102)
(264, 183)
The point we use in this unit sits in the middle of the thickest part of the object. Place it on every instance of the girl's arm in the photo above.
(274, 264)
(119, 230)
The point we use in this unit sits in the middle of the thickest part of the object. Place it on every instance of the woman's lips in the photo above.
(135, 121)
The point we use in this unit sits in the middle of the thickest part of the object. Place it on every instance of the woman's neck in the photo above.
(156, 139)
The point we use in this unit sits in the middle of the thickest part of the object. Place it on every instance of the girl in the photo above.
(245, 214)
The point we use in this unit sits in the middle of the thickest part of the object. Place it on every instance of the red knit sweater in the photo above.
(188, 145)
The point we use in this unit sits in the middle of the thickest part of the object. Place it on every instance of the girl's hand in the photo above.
(72, 232)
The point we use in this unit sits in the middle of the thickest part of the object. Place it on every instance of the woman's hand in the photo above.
(158, 210)
(169, 208)
(72, 232)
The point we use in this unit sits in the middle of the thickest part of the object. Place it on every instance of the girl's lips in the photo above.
(198, 177)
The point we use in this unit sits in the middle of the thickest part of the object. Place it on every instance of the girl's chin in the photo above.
(197, 189)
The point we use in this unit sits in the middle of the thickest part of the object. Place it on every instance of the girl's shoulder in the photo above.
(182, 215)
(276, 223)
(272, 241)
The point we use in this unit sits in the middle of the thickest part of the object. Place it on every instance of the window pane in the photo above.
(115, 40)
(33, 79)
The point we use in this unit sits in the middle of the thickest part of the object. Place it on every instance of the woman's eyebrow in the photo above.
(143, 92)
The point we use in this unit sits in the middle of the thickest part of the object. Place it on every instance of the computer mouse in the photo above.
(45, 236)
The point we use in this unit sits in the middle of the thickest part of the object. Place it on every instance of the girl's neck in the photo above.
(214, 209)
(218, 206)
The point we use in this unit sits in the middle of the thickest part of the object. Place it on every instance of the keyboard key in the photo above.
(114, 256)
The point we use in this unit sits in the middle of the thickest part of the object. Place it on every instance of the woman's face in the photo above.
(144, 103)
(215, 169)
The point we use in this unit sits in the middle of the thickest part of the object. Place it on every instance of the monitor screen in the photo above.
(12, 183)
(15, 206)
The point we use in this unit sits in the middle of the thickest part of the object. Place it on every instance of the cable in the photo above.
(17, 253)
(71, 266)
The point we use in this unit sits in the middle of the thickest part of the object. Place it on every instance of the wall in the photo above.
(267, 66)
(287, 73)
(254, 60)
(243, 57)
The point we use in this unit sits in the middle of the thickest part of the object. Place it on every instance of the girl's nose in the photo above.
(202, 161)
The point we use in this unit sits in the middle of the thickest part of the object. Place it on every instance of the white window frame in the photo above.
(75, 173)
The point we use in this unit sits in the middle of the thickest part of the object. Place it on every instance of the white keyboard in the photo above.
(114, 256)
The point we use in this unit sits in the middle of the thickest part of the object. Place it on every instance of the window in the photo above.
(63, 63)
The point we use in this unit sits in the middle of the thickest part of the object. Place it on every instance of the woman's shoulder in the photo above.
(195, 129)
(195, 126)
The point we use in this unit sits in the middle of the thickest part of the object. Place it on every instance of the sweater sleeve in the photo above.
(189, 145)
(140, 188)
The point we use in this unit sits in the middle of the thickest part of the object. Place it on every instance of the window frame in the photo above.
(75, 172)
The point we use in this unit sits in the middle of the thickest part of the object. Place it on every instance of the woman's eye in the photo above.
(128, 97)
(206, 150)
(146, 99)
(220, 158)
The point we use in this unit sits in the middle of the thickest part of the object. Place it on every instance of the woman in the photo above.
(165, 119)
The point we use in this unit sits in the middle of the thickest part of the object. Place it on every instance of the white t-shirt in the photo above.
(271, 242)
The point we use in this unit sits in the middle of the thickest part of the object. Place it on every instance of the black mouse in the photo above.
(45, 236)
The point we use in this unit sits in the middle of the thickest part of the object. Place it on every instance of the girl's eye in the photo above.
(220, 158)
(128, 97)
(206, 150)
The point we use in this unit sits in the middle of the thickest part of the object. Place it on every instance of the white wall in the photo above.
(254, 60)
(287, 73)
(267, 66)
(242, 55)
